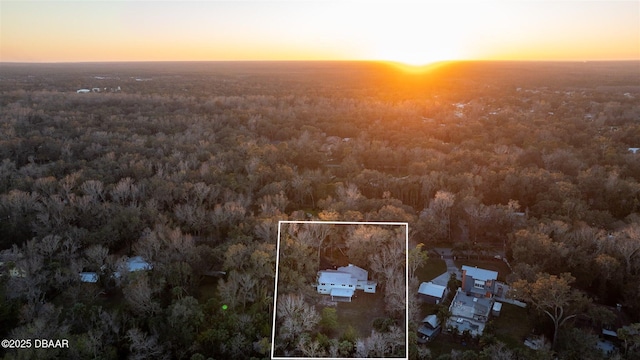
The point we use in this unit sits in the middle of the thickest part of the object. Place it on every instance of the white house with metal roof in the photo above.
(342, 283)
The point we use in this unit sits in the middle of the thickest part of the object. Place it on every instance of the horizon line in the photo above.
(319, 60)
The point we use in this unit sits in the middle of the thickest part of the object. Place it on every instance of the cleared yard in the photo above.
(433, 268)
(444, 343)
(513, 325)
(359, 313)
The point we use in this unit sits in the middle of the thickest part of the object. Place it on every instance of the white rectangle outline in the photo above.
(406, 277)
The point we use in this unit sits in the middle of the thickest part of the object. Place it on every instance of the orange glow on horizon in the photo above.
(416, 69)
(408, 32)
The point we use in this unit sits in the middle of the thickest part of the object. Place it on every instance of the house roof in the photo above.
(424, 330)
(431, 289)
(431, 320)
(497, 306)
(480, 274)
(356, 271)
(469, 306)
(136, 263)
(342, 292)
(88, 277)
(336, 277)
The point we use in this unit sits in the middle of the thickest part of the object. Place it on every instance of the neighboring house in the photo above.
(83, 91)
(88, 277)
(429, 329)
(136, 263)
(634, 150)
(469, 312)
(342, 283)
(432, 293)
(133, 264)
(479, 282)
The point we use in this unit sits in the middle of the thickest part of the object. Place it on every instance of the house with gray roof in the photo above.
(431, 293)
(469, 312)
(479, 282)
(429, 329)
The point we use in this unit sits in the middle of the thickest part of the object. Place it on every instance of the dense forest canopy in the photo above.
(191, 166)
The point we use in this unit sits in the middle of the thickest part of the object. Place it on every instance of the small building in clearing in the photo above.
(431, 293)
(429, 329)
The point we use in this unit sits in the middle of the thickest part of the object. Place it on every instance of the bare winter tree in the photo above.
(387, 260)
(627, 244)
(125, 192)
(376, 344)
(296, 315)
(364, 238)
(194, 217)
(395, 295)
(94, 189)
(349, 195)
(310, 348)
(96, 256)
(439, 213)
(139, 295)
(144, 346)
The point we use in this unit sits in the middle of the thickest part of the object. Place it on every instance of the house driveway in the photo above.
(447, 256)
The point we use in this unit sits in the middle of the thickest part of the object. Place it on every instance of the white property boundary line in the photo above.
(406, 277)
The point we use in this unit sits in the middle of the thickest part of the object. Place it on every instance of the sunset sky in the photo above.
(414, 32)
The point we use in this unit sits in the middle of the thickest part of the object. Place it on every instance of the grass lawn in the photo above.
(359, 313)
(513, 325)
(428, 309)
(494, 265)
(443, 344)
(433, 268)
